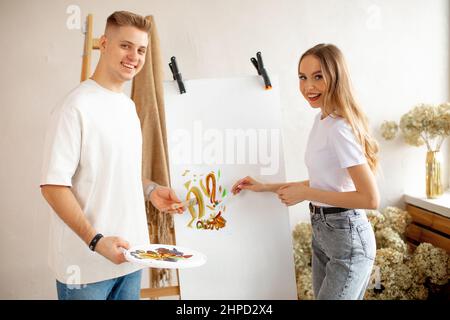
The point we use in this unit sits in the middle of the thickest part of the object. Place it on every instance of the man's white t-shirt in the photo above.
(332, 148)
(94, 145)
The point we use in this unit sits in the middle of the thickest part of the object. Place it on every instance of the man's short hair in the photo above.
(126, 18)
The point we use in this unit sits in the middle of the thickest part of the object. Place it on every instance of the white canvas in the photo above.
(231, 125)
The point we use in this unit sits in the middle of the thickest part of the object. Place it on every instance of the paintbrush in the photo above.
(224, 201)
(188, 203)
(193, 201)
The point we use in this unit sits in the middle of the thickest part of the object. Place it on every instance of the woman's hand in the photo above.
(247, 183)
(292, 193)
(164, 199)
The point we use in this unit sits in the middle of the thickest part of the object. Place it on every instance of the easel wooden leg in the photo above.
(88, 45)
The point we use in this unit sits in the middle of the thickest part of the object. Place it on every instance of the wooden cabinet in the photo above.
(428, 226)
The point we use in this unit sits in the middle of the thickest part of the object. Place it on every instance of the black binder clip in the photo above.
(258, 63)
(176, 74)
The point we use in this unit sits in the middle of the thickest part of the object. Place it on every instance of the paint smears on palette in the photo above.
(205, 195)
(165, 256)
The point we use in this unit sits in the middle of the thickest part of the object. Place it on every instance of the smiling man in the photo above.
(91, 174)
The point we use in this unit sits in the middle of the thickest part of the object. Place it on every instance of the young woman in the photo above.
(341, 160)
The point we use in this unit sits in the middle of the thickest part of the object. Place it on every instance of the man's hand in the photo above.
(164, 199)
(111, 249)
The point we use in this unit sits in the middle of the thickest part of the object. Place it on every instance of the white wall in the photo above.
(397, 52)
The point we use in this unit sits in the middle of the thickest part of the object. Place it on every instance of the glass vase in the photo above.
(433, 173)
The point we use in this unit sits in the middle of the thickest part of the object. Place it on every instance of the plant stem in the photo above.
(425, 138)
(440, 142)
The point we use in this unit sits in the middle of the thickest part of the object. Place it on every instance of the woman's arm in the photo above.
(365, 197)
(273, 187)
(248, 183)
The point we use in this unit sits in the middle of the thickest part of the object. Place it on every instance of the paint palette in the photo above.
(165, 256)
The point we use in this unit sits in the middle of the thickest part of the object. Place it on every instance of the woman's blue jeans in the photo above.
(127, 287)
(344, 249)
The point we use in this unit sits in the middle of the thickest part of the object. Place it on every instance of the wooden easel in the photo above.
(93, 44)
(89, 45)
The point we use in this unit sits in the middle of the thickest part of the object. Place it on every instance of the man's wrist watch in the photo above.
(94, 241)
(149, 189)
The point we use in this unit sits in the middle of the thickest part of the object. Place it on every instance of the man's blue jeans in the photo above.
(127, 287)
(344, 250)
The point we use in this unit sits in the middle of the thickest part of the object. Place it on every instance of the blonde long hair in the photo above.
(339, 98)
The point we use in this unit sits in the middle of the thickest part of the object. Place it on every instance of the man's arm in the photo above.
(145, 184)
(64, 203)
(163, 198)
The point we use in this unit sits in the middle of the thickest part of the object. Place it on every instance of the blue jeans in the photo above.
(127, 287)
(344, 249)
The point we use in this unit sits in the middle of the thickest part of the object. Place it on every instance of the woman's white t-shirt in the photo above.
(94, 146)
(332, 148)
